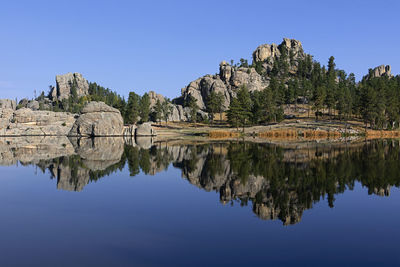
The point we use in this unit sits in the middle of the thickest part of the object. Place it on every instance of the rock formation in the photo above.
(178, 112)
(381, 71)
(268, 54)
(231, 78)
(145, 129)
(66, 84)
(8, 103)
(98, 119)
(26, 122)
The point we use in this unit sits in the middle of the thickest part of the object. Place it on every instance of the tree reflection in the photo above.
(279, 182)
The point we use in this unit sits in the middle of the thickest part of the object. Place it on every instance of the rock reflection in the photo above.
(279, 182)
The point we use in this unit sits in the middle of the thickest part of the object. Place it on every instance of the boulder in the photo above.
(8, 103)
(145, 129)
(98, 119)
(34, 105)
(68, 82)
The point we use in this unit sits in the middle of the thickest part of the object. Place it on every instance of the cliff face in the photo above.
(231, 78)
(66, 84)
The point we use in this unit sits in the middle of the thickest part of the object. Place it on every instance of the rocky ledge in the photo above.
(95, 119)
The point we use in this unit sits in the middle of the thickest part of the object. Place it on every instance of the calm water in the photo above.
(115, 202)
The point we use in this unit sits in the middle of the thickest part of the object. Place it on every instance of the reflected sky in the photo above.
(167, 217)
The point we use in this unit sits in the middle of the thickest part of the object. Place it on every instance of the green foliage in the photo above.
(132, 109)
(191, 102)
(214, 103)
(239, 112)
(99, 93)
(158, 111)
(144, 104)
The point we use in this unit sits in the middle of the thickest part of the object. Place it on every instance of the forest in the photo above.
(330, 93)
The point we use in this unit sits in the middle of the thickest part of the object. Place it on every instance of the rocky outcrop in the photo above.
(267, 54)
(231, 78)
(145, 129)
(8, 103)
(154, 97)
(178, 113)
(381, 71)
(26, 122)
(98, 119)
(33, 105)
(68, 84)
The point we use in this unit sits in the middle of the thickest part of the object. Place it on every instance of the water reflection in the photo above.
(279, 182)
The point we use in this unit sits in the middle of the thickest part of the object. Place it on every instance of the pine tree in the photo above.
(132, 110)
(214, 104)
(191, 102)
(158, 111)
(319, 99)
(144, 107)
(330, 85)
(234, 113)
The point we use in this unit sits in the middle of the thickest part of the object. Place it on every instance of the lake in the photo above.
(118, 202)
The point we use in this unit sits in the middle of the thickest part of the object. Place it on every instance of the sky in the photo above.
(164, 45)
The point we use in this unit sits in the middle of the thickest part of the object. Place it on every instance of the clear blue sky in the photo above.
(163, 45)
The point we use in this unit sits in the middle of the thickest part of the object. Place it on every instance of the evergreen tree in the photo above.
(158, 111)
(144, 105)
(240, 109)
(318, 98)
(330, 85)
(234, 113)
(191, 102)
(132, 109)
(214, 104)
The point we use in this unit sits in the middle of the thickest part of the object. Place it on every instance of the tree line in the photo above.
(329, 92)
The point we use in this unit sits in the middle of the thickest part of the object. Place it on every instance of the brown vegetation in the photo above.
(382, 134)
(223, 134)
(293, 134)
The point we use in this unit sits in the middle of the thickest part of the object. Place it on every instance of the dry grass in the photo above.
(294, 134)
(279, 134)
(382, 134)
(223, 134)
